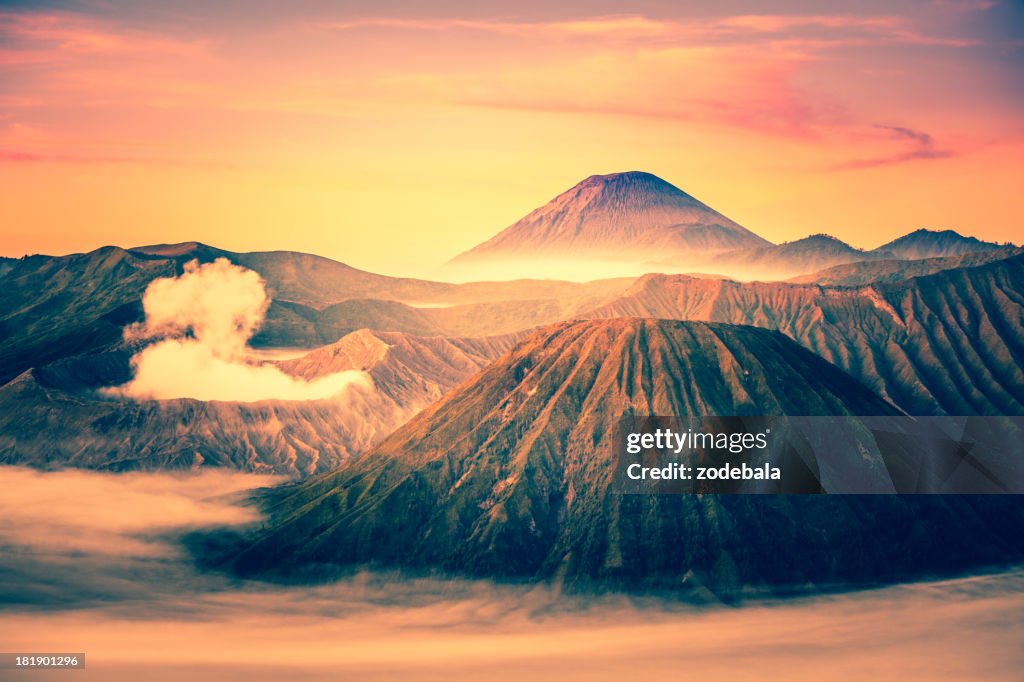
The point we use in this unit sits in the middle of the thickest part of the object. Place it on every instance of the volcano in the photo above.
(632, 216)
(511, 475)
(951, 342)
(57, 415)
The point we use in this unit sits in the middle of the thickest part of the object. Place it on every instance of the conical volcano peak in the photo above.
(511, 472)
(629, 176)
(624, 217)
(633, 180)
(631, 190)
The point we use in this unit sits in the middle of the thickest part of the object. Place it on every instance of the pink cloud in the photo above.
(832, 30)
(40, 34)
(922, 147)
(14, 156)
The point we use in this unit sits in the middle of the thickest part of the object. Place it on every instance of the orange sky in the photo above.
(392, 137)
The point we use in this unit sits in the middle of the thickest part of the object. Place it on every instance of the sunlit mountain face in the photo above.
(616, 221)
(511, 474)
(375, 350)
(319, 323)
(634, 223)
(465, 439)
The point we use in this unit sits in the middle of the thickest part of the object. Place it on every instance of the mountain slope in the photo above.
(412, 370)
(53, 307)
(54, 416)
(888, 270)
(616, 216)
(823, 259)
(289, 324)
(510, 475)
(951, 342)
(789, 259)
(933, 244)
(318, 283)
(57, 307)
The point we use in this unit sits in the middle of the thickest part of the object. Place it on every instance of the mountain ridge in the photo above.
(925, 243)
(609, 215)
(52, 307)
(56, 415)
(950, 342)
(510, 476)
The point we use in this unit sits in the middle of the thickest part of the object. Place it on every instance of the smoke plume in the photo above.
(201, 323)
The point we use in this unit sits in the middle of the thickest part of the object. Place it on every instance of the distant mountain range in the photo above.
(52, 307)
(809, 254)
(55, 307)
(946, 343)
(951, 342)
(942, 334)
(821, 251)
(885, 270)
(933, 244)
(59, 307)
(510, 475)
(483, 446)
(638, 219)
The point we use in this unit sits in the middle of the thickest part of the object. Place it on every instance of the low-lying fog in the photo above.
(89, 562)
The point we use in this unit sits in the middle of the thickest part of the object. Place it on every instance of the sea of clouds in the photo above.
(94, 562)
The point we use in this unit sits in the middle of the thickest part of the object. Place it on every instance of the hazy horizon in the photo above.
(331, 130)
(567, 268)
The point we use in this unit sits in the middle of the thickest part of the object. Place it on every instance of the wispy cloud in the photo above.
(922, 147)
(15, 156)
(819, 31)
(783, 113)
(41, 36)
(728, 72)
